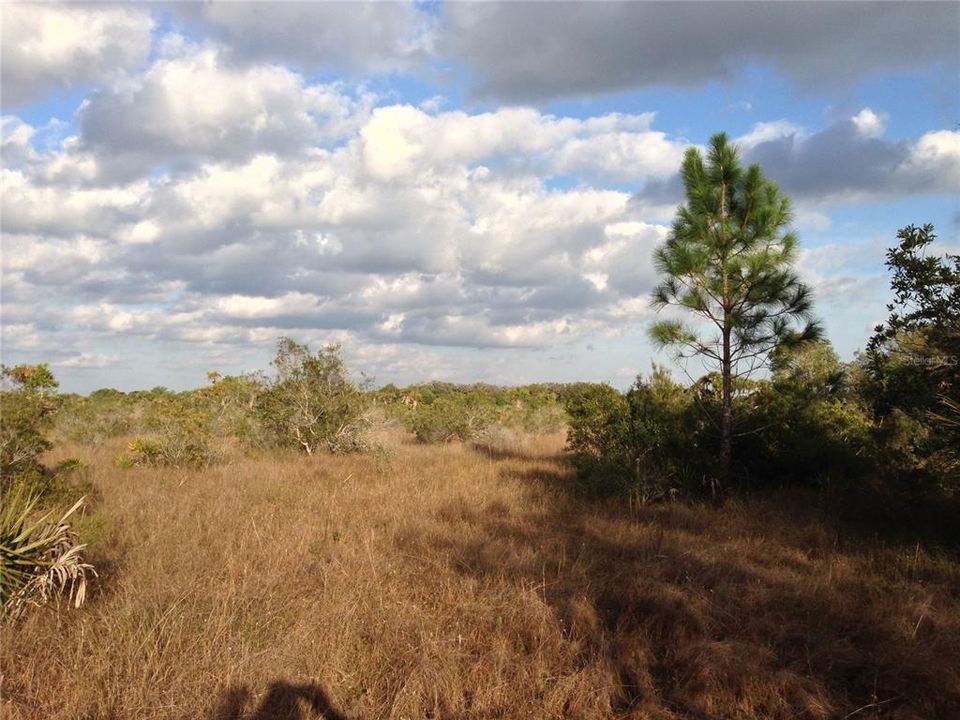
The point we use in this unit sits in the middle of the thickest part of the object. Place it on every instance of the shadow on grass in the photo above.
(283, 701)
(760, 608)
(505, 453)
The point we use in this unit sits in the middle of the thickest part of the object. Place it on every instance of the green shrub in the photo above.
(123, 461)
(24, 422)
(231, 403)
(143, 452)
(447, 418)
(441, 412)
(27, 407)
(646, 443)
(104, 414)
(911, 368)
(312, 404)
(806, 426)
(180, 435)
(947, 424)
(789, 439)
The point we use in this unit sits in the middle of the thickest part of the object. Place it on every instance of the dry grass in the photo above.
(460, 583)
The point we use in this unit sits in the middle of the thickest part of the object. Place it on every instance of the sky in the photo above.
(450, 191)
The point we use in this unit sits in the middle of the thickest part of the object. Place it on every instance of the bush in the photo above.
(534, 409)
(181, 435)
(24, 421)
(947, 425)
(27, 406)
(911, 368)
(312, 404)
(797, 440)
(805, 425)
(447, 418)
(231, 403)
(104, 414)
(646, 443)
(443, 412)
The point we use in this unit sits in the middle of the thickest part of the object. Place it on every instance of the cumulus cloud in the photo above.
(540, 51)
(433, 229)
(851, 161)
(357, 37)
(15, 140)
(30, 206)
(215, 190)
(88, 360)
(220, 195)
(48, 46)
(402, 140)
(192, 106)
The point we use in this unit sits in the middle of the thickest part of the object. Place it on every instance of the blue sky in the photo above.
(467, 192)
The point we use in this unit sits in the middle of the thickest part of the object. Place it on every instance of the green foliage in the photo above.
(123, 461)
(926, 291)
(33, 379)
(803, 426)
(102, 415)
(183, 429)
(911, 369)
(729, 260)
(39, 559)
(647, 443)
(231, 403)
(946, 424)
(448, 418)
(803, 439)
(181, 435)
(24, 423)
(312, 404)
(27, 407)
(442, 412)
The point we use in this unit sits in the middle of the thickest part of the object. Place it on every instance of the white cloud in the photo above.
(248, 307)
(215, 202)
(30, 207)
(88, 360)
(16, 137)
(936, 153)
(850, 161)
(142, 232)
(192, 105)
(420, 229)
(763, 132)
(401, 140)
(869, 124)
(48, 46)
(355, 37)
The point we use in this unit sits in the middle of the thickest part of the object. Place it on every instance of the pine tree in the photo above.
(729, 259)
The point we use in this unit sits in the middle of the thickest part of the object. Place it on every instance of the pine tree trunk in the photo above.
(726, 422)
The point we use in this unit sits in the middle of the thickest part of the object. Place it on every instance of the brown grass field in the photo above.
(464, 582)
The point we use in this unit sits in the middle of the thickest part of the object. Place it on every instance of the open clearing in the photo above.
(466, 582)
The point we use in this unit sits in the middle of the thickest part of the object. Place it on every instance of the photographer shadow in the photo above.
(283, 701)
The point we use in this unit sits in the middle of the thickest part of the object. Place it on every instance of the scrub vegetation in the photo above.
(297, 543)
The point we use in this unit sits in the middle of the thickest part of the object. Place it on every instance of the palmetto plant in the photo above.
(948, 423)
(39, 559)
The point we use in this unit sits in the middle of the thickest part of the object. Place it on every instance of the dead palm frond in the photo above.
(39, 559)
(949, 422)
